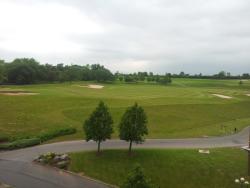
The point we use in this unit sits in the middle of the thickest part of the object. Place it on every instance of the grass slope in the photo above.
(184, 109)
(166, 168)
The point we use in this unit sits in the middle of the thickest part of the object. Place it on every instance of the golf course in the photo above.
(187, 108)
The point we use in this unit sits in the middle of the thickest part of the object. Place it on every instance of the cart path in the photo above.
(17, 169)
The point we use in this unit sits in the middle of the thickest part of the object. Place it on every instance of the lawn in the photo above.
(178, 168)
(186, 108)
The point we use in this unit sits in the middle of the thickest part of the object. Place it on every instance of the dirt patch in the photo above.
(222, 96)
(16, 93)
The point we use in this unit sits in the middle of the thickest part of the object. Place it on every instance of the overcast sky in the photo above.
(130, 35)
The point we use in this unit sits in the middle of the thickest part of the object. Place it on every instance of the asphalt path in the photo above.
(17, 169)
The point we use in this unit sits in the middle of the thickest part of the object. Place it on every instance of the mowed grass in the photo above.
(178, 168)
(185, 108)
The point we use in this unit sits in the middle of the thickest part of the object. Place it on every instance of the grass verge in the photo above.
(179, 168)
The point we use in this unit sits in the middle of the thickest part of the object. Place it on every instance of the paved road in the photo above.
(17, 169)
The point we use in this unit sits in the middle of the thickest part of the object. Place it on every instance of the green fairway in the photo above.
(185, 108)
(170, 168)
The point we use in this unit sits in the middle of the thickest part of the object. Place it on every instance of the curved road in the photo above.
(17, 169)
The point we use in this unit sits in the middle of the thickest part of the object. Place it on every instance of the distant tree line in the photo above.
(28, 71)
(144, 77)
(220, 75)
(167, 78)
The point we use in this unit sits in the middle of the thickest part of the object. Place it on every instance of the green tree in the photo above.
(99, 125)
(1, 71)
(133, 125)
(137, 179)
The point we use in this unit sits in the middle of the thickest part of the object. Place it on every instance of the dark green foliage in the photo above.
(130, 78)
(4, 138)
(99, 125)
(20, 144)
(2, 76)
(44, 136)
(26, 141)
(133, 125)
(137, 179)
(28, 71)
(165, 79)
(23, 71)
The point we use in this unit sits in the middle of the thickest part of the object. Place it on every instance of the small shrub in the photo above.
(20, 144)
(137, 179)
(4, 138)
(44, 136)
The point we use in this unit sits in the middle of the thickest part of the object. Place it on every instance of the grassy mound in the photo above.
(170, 168)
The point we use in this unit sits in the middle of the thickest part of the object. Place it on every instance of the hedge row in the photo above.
(20, 144)
(42, 137)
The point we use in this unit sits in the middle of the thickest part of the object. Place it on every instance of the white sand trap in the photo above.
(92, 86)
(248, 94)
(16, 93)
(204, 151)
(95, 86)
(222, 96)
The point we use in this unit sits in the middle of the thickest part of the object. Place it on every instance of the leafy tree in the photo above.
(133, 125)
(1, 71)
(137, 179)
(23, 71)
(99, 125)
(165, 79)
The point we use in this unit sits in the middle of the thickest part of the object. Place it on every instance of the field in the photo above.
(186, 108)
(166, 168)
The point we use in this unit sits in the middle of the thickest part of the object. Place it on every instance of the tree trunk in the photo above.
(130, 147)
(99, 143)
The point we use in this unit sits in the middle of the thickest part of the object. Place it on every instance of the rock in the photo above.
(56, 159)
(64, 157)
(41, 160)
(62, 164)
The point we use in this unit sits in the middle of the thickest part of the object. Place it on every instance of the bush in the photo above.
(26, 141)
(57, 132)
(20, 144)
(4, 138)
(137, 179)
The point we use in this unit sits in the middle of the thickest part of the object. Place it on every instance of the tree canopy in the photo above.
(98, 126)
(28, 71)
(133, 125)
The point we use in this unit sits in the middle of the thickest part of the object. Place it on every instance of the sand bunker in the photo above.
(248, 94)
(222, 96)
(16, 93)
(93, 86)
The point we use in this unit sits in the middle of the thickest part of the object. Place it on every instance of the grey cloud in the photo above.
(170, 35)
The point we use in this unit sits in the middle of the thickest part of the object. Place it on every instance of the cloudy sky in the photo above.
(130, 35)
